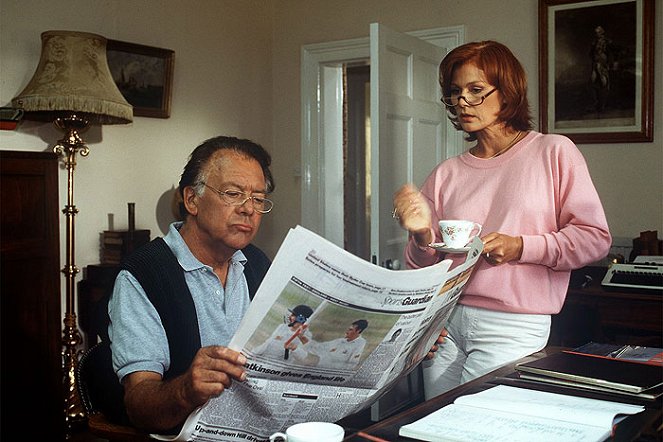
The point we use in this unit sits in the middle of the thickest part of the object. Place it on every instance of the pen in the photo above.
(621, 351)
(372, 438)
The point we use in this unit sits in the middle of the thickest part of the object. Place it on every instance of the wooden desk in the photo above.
(628, 430)
(594, 313)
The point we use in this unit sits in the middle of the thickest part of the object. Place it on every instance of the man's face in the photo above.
(352, 333)
(217, 223)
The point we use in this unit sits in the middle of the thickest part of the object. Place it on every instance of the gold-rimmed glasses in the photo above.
(234, 197)
(471, 99)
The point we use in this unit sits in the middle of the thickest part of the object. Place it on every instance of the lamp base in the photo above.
(68, 147)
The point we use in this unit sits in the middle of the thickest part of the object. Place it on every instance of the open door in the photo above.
(408, 129)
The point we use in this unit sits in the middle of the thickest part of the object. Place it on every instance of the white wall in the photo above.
(237, 72)
(222, 85)
(629, 177)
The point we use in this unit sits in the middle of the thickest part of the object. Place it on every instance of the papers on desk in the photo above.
(615, 374)
(504, 413)
(633, 353)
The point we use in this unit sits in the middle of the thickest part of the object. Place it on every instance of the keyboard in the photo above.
(635, 276)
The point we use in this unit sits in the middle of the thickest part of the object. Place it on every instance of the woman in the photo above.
(533, 195)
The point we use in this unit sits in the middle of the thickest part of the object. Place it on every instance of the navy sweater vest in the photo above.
(160, 275)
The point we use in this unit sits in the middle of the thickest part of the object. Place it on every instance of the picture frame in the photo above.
(144, 76)
(596, 70)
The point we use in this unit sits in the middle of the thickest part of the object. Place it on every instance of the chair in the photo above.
(95, 378)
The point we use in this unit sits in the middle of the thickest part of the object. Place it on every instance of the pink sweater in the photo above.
(539, 189)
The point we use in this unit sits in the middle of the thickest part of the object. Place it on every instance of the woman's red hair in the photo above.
(502, 70)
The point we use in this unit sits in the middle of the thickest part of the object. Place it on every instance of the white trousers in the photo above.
(479, 341)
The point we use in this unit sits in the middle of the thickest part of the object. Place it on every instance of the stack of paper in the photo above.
(597, 373)
(504, 413)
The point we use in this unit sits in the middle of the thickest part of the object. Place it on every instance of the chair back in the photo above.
(102, 397)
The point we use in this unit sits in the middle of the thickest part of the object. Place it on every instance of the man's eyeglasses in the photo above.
(471, 99)
(238, 198)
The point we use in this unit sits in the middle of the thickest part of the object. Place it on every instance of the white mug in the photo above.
(457, 233)
(311, 432)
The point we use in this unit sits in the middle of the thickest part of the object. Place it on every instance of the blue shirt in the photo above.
(138, 339)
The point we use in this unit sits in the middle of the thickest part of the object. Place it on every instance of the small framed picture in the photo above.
(144, 75)
(596, 69)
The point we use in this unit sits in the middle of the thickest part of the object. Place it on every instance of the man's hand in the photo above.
(438, 342)
(155, 404)
(212, 371)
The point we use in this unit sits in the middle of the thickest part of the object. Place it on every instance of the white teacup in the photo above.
(457, 233)
(311, 432)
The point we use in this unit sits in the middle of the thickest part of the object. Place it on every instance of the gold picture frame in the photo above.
(144, 75)
(596, 70)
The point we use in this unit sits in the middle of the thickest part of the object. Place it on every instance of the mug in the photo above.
(457, 233)
(311, 432)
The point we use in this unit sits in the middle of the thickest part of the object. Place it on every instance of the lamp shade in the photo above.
(73, 78)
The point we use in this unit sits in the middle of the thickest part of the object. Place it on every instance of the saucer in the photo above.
(442, 247)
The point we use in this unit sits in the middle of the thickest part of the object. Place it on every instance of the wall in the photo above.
(629, 177)
(222, 85)
(237, 72)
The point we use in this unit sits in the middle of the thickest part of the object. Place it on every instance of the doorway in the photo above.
(334, 195)
(357, 159)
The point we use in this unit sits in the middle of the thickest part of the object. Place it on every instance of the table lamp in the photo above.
(73, 88)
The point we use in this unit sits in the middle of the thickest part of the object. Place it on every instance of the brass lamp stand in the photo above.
(68, 147)
(73, 88)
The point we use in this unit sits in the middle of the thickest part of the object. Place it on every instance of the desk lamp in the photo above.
(73, 88)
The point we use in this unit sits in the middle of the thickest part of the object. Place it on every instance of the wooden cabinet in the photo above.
(615, 316)
(31, 369)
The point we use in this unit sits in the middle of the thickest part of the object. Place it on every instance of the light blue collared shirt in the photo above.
(138, 339)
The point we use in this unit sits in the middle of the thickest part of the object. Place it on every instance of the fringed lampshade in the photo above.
(73, 77)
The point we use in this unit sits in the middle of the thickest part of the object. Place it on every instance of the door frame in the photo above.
(321, 88)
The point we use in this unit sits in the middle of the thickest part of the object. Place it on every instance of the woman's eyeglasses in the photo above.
(471, 99)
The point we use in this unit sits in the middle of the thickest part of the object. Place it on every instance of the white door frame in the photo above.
(321, 88)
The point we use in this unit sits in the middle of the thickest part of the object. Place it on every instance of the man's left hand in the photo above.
(438, 342)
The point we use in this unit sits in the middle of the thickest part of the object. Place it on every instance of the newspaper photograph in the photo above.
(326, 334)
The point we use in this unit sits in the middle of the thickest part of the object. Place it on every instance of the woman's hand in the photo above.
(499, 248)
(413, 213)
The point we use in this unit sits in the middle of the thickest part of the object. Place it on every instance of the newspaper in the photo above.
(316, 373)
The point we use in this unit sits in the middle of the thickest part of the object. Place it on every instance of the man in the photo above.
(294, 326)
(341, 353)
(178, 301)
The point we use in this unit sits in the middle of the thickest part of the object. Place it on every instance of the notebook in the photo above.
(516, 414)
(604, 372)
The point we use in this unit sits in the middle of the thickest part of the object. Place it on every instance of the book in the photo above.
(633, 353)
(604, 372)
(118, 244)
(547, 383)
(505, 413)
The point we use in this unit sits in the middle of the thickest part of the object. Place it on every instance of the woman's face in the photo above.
(468, 80)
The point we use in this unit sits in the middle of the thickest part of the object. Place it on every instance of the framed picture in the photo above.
(144, 75)
(596, 69)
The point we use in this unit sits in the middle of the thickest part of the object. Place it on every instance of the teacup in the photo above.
(457, 233)
(311, 432)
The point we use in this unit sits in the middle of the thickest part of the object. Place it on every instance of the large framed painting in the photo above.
(596, 69)
(144, 75)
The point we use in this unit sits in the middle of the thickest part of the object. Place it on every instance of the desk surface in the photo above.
(628, 430)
